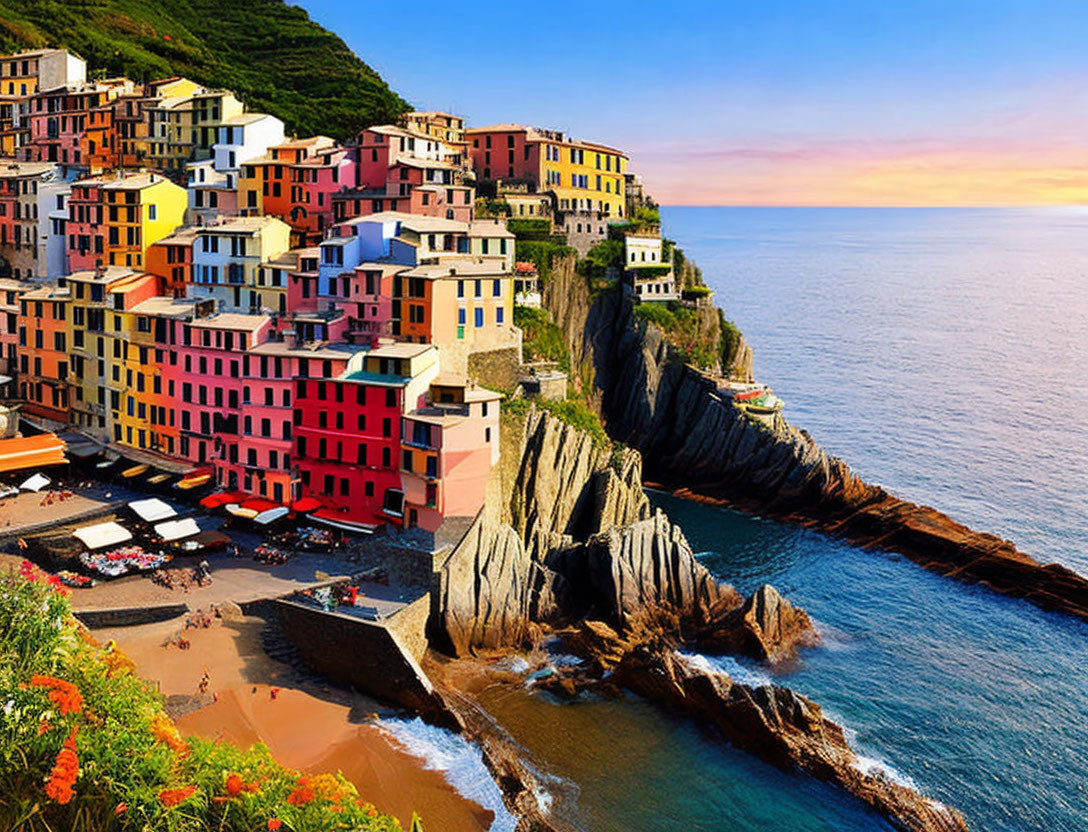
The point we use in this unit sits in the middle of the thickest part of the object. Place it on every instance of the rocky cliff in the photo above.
(570, 547)
(694, 440)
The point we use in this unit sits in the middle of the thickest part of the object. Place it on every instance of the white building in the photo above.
(648, 272)
(227, 256)
(52, 228)
(244, 137)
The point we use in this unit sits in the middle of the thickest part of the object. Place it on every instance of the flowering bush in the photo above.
(86, 746)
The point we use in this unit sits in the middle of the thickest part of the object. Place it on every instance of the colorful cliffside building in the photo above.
(227, 256)
(43, 356)
(299, 320)
(114, 219)
(348, 432)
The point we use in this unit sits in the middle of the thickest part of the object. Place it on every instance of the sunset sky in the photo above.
(768, 103)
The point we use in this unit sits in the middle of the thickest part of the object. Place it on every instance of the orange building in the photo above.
(43, 352)
(171, 258)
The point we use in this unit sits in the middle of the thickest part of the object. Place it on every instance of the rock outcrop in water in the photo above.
(772, 722)
(497, 583)
(768, 628)
(647, 565)
(694, 440)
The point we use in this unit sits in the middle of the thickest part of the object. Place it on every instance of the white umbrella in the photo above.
(101, 535)
(270, 516)
(36, 483)
(177, 529)
(152, 509)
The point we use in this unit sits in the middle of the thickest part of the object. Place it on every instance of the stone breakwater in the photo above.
(572, 547)
(696, 442)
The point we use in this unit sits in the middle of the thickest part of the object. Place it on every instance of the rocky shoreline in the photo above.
(570, 547)
(695, 442)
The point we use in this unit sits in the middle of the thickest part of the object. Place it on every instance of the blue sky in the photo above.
(766, 102)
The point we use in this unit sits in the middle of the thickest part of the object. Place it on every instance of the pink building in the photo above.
(85, 227)
(448, 449)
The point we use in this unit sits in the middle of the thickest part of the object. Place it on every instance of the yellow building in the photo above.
(171, 139)
(210, 109)
(138, 211)
(583, 176)
(100, 326)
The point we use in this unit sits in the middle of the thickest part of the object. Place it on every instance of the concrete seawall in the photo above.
(378, 658)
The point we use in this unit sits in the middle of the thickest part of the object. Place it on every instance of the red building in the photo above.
(348, 433)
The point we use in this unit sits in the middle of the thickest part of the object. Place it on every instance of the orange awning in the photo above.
(37, 451)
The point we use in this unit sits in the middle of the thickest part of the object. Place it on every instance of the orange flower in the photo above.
(274, 824)
(63, 694)
(43, 727)
(235, 785)
(121, 809)
(166, 732)
(65, 771)
(172, 797)
(303, 794)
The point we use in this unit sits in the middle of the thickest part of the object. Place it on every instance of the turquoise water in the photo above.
(943, 354)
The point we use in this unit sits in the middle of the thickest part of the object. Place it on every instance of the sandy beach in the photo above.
(306, 725)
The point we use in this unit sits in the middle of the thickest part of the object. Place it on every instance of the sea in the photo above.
(944, 354)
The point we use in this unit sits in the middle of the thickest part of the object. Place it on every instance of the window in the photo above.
(368, 489)
(151, 211)
(479, 317)
(499, 315)
(496, 288)
(406, 461)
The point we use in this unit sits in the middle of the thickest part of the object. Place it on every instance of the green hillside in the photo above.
(271, 54)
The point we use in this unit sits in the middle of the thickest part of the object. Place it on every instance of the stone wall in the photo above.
(495, 368)
(372, 657)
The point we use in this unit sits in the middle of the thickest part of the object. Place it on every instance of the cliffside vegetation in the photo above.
(85, 745)
(535, 243)
(542, 340)
(268, 52)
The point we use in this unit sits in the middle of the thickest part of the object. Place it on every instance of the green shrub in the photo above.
(530, 229)
(541, 254)
(86, 746)
(578, 415)
(542, 340)
(657, 313)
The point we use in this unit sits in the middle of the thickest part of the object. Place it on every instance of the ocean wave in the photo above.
(874, 766)
(867, 763)
(729, 666)
(460, 762)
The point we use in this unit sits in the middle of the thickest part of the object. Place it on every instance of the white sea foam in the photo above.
(460, 762)
(874, 766)
(729, 666)
(564, 660)
(515, 664)
(866, 762)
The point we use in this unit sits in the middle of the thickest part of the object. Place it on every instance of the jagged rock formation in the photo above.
(496, 584)
(526, 791)
(693, 439)
(505, 580)
(647, 565)
(489, 590)
(767, 628)
(783, 727)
